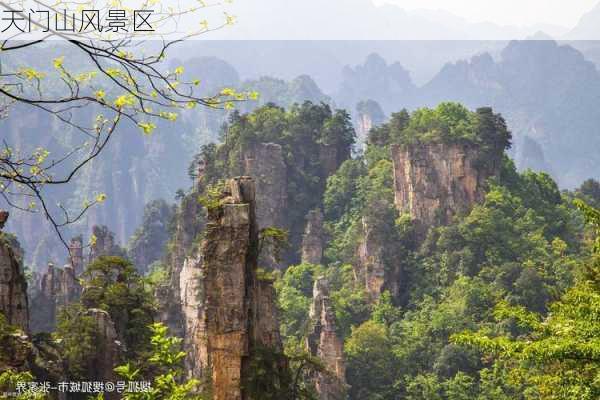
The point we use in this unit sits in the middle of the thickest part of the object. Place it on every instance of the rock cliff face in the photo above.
(228, 311)
(265, 164)
(312, 241)
(370, 260)
(193, 302)
(189, 222)
(433, 182)
(235, 296)
(147, 244)
(108, 350)
(368, 115)
(377, 269)
(324, 342)
(13, 286)
(57, 288)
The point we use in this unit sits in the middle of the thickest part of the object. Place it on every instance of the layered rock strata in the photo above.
(435, 181)
(229, 311)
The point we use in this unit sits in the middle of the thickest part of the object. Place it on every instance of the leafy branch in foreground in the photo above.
(559, 356)
(117, 79)
(166, 359)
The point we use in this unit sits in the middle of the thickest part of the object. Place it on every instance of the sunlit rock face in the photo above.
(76, 255)
(323, 342)
(433, 182)
(229, 311)
(194, 317)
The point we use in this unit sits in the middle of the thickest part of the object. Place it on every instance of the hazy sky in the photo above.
(513, 12)
(404, 19)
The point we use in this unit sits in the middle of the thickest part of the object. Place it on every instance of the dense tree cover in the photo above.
(522, 252)
(11, 380)
(166, 363)
(557, 356)
(273, 90)
(78, 335)
(448, 122)
(303, 131)
(113, 285)
(589, 191)
(501, 303)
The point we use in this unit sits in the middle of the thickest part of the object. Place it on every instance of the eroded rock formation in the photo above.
(235, 295)
(435, 181)
(379, 264)
(76, 255)
(371, 262)
(108, 349)
(324, 343)
(58, 287)
(192, 298)
(368, 115)
(312, 240)
(189, 222)
(264, 162)
(13, 285)
(147, 245)
(229, 312)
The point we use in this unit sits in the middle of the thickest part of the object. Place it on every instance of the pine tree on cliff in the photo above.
(492, 130)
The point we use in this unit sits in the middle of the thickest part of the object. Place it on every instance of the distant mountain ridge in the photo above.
(588, 27)
(547, 92)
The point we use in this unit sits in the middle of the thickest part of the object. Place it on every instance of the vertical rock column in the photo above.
(370, 254)
(240, 307)
(108, 352)
(264, 162)
(193, 309)
(76, 254)
(13, 285)
(324, 342)
(312, 241)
